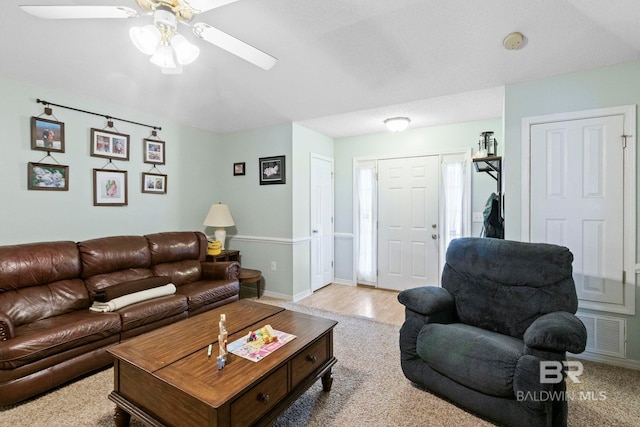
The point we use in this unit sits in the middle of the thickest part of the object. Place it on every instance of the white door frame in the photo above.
(468, 183)
(629, 249)
(331, 234)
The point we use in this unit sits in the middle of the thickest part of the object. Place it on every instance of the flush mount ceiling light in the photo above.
(513, 41)
(161, 41)
(397, 124)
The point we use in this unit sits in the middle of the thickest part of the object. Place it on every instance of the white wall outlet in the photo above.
(273, 265)
(478, 217)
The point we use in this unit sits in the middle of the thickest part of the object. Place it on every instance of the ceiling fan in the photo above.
(167, 48)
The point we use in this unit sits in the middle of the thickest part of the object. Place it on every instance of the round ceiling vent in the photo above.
(513, 41)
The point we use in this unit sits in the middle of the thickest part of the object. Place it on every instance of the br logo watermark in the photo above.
(551, 371)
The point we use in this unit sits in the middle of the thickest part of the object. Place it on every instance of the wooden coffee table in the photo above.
(164, 377)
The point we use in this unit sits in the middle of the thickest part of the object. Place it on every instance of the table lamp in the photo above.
(219, 217)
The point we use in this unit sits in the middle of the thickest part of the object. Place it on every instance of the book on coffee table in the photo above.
(259, 347)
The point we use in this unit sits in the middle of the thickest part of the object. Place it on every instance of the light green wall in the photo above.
(611, 86)
(429, 140)
(262, 213)
(29, 216)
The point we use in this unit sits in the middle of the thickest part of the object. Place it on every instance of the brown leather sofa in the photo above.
(49, 335)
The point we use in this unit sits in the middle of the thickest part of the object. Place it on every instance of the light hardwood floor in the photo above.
(361, 301)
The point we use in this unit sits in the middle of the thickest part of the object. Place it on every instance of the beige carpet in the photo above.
(368, 389)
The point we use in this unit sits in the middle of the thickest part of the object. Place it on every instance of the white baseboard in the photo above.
(608, 360)
(277, 295)
(340, 281)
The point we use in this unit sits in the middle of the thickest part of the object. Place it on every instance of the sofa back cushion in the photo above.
(40, 280)
(178, 255)
(109, 261)
(503, 286)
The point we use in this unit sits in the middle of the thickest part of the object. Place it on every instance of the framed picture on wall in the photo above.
(238, 169)
(109, 187)
(154, 183)
(272, 170)
(47, 135)
(42, 176)
(153, 151)
(108, 144)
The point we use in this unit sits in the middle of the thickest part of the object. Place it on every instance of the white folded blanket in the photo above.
(133, 298)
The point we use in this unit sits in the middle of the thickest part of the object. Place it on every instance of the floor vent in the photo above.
(605, 334)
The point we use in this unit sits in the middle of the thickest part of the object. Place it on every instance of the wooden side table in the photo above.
(226, 255)
(250, 276)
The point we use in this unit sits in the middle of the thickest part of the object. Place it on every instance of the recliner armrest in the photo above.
(6, 327)
(221, 270)
(559, 331)
(427, 300)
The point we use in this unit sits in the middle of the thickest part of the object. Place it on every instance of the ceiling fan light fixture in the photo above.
(397, 124)
(163, 57)
(186, 52)
(145, 38)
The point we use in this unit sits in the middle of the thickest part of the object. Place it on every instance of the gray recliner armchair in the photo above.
(505, 309)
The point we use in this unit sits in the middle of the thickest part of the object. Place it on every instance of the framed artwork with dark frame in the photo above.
(109, 187)
(272, 170)
(43, 176)
(47, 135)
(238, 169)
(109, 144)
(153, 151)
(154, 183)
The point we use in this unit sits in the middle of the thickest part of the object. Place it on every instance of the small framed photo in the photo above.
(153, 151)
(109, 187)
(108, 144)
(154, 183)
(47, 135)
(238, 169)
(272, 170)
(42, 176)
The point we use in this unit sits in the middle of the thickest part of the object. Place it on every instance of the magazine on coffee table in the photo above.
(257, 346)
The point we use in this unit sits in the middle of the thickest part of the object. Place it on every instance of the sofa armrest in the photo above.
(6, 327)
(221, 270)
(559, 331)
(427, 300)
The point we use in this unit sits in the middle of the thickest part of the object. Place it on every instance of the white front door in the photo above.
(321, 210)
(577, 200)
(408, 222)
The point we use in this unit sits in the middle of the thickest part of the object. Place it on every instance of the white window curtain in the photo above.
(366, 232)
(453, 179)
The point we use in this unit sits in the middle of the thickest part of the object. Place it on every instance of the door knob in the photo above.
(434, 236)
(315, 231)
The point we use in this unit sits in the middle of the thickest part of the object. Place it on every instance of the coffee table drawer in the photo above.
(309, 360)
(261, 398)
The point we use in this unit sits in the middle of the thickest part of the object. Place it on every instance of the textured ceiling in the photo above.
(344, 65)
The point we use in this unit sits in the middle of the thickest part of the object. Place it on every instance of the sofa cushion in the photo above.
(500, 285)
(130, 287)
(176, 246)
(481, 360)
(109, 254)
(180, 272)
(150, 311)
(31, 304)
(46, 337)
(205, 292)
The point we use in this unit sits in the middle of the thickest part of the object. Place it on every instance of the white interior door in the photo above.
(408, 222)
(321, 211)
(577, 200)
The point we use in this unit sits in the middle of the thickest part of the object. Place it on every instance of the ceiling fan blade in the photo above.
(233, 45)
(204, 5)
(80, 12)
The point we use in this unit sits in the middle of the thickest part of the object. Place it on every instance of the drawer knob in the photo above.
(263, 398)
(312, 358)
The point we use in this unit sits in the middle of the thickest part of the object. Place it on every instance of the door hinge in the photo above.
(624, 140)
(624, 277)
